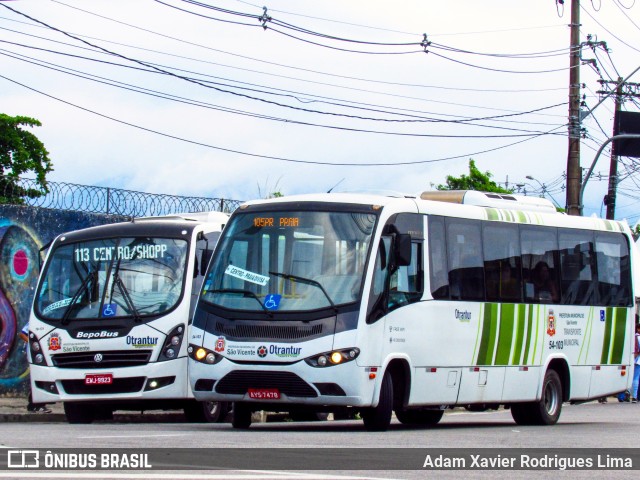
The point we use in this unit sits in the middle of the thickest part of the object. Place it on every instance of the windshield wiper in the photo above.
(245, 293)
(308, 281)
(91, 277)
(125, 294)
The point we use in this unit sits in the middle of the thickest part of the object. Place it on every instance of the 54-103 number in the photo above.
(556, 344)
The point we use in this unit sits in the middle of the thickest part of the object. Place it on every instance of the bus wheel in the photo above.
(241, 415)
(419, 417)
(205, 412)
(377, 419)
(77, 412)
(547, 410)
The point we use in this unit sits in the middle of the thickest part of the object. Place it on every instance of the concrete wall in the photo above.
(23, 232)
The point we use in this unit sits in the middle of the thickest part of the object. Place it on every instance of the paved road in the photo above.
(593, 425)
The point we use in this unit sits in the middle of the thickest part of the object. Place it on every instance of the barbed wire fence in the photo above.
(105, 200)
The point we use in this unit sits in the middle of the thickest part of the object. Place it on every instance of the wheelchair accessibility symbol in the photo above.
(109, 309)
(272, 302)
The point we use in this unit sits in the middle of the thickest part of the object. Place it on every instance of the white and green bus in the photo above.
(412, 305)
(111, 312)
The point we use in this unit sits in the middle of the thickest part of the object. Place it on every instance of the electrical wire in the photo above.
(193, 102)
(609, 31)
(253, 59)
(297, 29)
(269, 157)
(415, 118)
(498, 69)
(188, 79)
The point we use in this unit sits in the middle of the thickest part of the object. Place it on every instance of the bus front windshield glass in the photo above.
(290, 261)
(112, 278)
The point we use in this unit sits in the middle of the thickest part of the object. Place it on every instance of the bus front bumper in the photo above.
(153, 381)
(340, 385)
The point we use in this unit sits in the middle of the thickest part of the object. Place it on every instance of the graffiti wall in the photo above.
(23, 232)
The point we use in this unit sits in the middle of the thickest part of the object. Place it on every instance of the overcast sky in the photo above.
(176, 97)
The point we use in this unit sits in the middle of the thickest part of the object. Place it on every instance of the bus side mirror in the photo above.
(206, 256)
(403, 249)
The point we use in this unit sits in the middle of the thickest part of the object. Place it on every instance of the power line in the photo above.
(268, 157)
(207, 85)
(609, 31)
(253, 59)
(192, 102)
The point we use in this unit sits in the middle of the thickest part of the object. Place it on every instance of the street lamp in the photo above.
(544, 190)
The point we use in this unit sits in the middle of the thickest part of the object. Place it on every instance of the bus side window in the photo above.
(539, 247)
(577, 265)
(405, 285)
(466, 265)
(502, 262)
(613, 266)
(438, 271)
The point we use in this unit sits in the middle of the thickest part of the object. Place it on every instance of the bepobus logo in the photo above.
(23, 459)
(101, 334)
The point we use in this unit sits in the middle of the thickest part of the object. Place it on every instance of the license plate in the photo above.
(99, 379)
(264, 393)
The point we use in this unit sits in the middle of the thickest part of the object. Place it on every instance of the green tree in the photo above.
(476, 180)
(21, 152)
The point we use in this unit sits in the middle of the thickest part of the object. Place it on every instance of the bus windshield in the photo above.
(290, 260)
(112, 278)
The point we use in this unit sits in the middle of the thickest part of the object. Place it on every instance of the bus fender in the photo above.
(401, 368)
(561, 365)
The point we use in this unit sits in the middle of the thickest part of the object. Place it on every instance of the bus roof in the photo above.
(524, 210)
(490, 199)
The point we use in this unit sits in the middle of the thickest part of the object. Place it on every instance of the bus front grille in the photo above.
(288, 383)
(119, 385)
(268, 332)
(108, 359)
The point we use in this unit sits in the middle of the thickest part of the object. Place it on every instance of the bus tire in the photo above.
(547, 410)
(378, 419)
(77, 412)
(419, 417)
(241, 415)
(205, 412)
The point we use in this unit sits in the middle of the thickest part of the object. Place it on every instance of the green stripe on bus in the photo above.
(505, 336)
(474, 359)
(585, 338)
(486, 326)
(619, 336)
(510, 216)
(492, 213)
(535, 339)
(517, 351)
(522, 218)
(527, 342)
(487, 344)
(604, 358)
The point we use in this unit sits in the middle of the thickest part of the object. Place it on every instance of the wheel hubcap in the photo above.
(550, 399)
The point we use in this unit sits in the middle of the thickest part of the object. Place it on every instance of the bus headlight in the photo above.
(203, 355)
(335, 357)
(35, 350)
(172, 344)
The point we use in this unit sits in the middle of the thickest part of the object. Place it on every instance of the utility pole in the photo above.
(622, 90)
(574, 172)
(610, 199)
